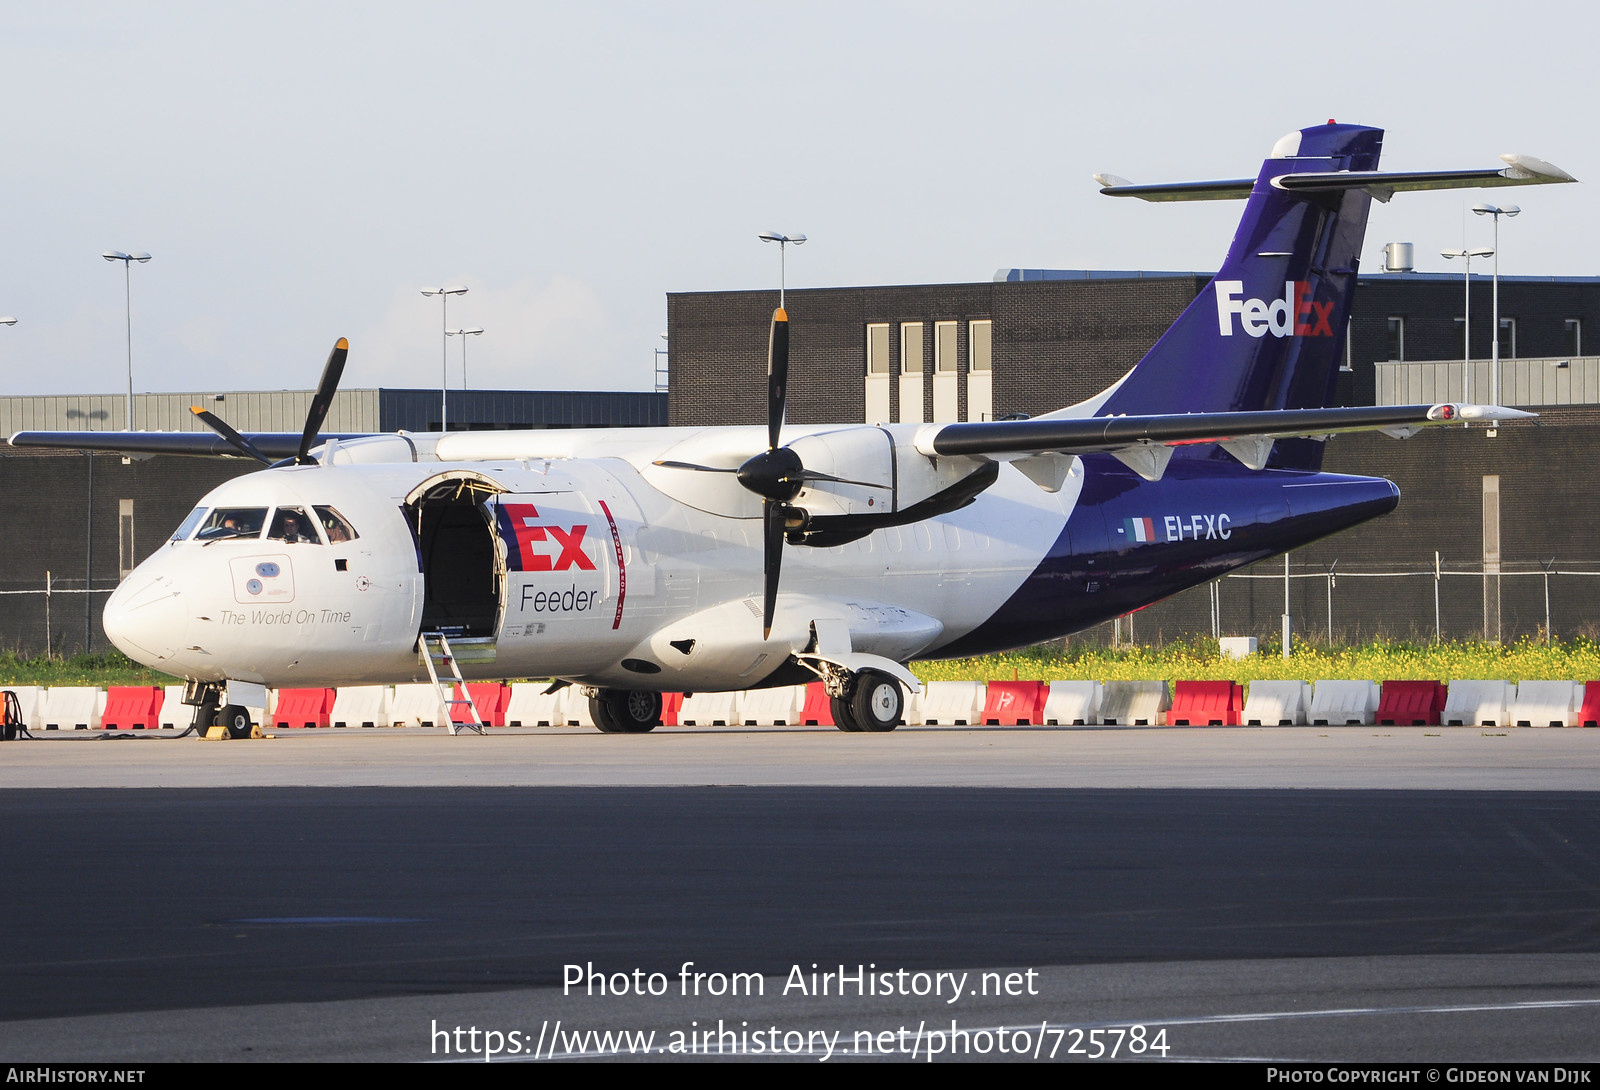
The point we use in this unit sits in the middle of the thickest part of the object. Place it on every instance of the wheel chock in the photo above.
(219, 733)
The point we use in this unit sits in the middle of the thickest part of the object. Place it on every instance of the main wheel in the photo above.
(205, 714)
(843, 717)
(877, 703)
(626, 711)
(236, 718)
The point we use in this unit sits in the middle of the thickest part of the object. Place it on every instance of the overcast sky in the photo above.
(299, 171)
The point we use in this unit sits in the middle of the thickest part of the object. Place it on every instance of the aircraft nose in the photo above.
(146, 619)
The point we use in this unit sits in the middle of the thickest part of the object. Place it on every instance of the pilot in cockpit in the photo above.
(291, 527)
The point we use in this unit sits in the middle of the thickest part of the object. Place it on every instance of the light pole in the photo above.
(1466, 319)
(444, 295)
(463, 334)
(1496, 212)
(783, 241)
(8, 320)
(127, 293)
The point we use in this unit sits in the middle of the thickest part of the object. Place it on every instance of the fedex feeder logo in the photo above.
(1295, 314)
(543, 547)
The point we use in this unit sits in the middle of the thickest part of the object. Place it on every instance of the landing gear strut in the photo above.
(205, 699)
(625, 711)
(872, 703)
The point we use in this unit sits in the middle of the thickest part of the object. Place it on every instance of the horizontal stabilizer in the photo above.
(1382, 184)
(1230, 189)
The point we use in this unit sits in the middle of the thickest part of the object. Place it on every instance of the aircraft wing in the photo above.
(1145, 443)
(194, 444)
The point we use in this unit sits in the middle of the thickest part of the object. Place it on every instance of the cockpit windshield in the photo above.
(182, 533)
(335, 525)
(232, 522)
(291, 527)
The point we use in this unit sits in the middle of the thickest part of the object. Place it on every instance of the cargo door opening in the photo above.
(463, 577)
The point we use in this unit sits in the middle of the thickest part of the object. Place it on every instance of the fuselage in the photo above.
(586, 559)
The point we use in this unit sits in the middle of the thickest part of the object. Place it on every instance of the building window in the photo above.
(1349, 360)
(980, 345)
(1397, 339)
(125, 558)
(911, 348)
(1508, 338)
(945, 356)
(1574, 337)
(878, 349)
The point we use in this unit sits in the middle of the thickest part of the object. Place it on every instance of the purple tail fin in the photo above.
(1268, 332)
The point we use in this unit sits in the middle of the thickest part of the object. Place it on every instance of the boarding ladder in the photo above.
(435, 645)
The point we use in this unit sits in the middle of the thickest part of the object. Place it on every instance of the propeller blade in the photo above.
(690, 465)
(320, 404)
(235, 440)
(818, 475)
(771, 561)
(777, 375)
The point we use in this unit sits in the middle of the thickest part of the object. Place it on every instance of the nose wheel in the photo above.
(873, 704)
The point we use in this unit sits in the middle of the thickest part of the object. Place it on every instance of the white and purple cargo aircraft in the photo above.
(636, 561)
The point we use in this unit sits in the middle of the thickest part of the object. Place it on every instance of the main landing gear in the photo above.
(623, 711)
(866, 702)
(869, 702)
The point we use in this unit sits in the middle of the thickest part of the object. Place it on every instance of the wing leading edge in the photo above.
(192, 444)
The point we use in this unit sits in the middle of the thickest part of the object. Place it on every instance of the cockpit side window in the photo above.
(335, 525)
(233, 522)
(291, 526)
(182, 533)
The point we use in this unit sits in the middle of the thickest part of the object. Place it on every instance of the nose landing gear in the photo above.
(234, 719)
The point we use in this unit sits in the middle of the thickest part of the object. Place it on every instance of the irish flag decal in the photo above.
(1139, 529)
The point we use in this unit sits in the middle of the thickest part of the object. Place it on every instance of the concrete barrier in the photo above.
(1134, 703)
(949, 704)
(69, 707)
(572, 708)
(1546, 704)
(1476, 704)
(1072, 704)
(1013, 703)
(1344, 703)
(1205, 704)
(710, 710)
(1277, 704)
(28, 703)
(361, 706)
(415, 704)
(778, 706)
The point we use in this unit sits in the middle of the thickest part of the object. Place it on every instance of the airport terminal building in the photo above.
(1509, 513)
